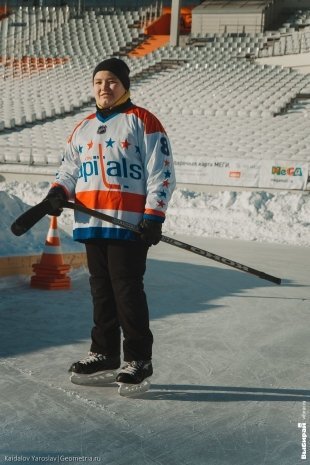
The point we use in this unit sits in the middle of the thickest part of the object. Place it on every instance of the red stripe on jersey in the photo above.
(92, 116)
(150, 122)
(112, 200)
(56, 184)
(107, 184)
(150, 211)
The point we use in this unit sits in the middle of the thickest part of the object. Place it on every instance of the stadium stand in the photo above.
(216, 101)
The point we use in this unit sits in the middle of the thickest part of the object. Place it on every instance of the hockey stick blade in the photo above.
(29, 218)
(175, 242)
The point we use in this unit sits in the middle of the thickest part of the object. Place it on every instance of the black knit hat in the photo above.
(116, 66)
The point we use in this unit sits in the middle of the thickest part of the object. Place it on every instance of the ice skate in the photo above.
(134, 378)
(95, 370)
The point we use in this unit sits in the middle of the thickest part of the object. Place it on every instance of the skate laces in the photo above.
(132, 367)
(91, 357)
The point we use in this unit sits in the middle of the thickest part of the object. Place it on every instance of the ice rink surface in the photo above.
(231, 359)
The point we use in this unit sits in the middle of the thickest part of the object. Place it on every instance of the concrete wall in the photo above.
(219, 17)
(220, 23)
(270, 17)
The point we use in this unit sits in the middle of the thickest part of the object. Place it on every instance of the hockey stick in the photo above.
(175, 242)
(29, 218)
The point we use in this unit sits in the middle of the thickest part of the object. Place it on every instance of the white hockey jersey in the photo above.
(120, 165)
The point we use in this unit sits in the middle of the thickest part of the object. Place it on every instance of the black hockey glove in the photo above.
(150, 231)
(56, 198)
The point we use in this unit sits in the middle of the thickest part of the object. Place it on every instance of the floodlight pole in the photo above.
(175, 22)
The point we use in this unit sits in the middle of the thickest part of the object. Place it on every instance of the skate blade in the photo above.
(131, 390)
(101, 378)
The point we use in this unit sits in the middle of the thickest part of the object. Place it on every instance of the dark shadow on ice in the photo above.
(33, 320)
(273, 297)
(192, 393)
(290, 283)
(178, 288)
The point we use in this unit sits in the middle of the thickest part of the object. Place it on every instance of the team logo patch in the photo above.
(101, 129)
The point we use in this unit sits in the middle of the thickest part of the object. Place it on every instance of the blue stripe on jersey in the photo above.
(159, 219)
(80, 234)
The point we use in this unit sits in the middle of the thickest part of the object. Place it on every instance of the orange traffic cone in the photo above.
(50, 273)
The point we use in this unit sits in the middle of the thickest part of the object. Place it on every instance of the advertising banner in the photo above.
(275, 174)
(279, 174)
(220, 171)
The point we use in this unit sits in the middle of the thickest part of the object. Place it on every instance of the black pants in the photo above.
(119, 302)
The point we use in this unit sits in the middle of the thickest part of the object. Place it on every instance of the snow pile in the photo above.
(15, 198)
(281, 217)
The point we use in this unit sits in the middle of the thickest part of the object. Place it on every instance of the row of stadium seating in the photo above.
(52, 31)
(234, 88)
(25, 25)
(285, 138)
(221, 85)
(213, 102)
(266, 44)
(86, 36)
(298, 20)
(59, 32)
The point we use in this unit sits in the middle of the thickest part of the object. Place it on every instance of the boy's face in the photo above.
(107, 89)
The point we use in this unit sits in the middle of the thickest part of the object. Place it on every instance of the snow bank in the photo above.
(281, 217)
(15, 198)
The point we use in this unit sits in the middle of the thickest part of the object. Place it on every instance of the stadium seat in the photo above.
(226, 103)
